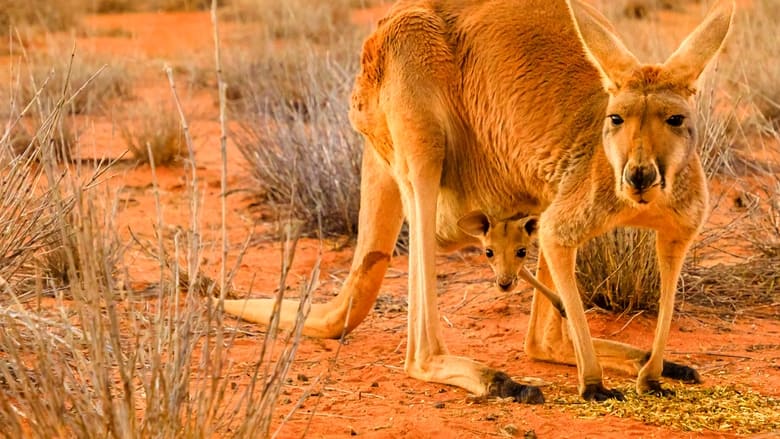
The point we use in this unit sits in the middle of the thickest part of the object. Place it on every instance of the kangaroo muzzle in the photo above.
(640, 177)
(506, 283)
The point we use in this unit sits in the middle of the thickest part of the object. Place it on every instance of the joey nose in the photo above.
(505, 284)
(639, 177)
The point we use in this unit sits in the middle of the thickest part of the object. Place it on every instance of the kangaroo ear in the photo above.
(531, 225)
(603, 48)
(475, 223)
(696, 51)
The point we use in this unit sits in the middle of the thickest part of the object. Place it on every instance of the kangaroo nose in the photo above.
(505, 284)
(639, 177)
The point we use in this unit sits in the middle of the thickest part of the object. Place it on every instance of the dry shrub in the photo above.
(763, 231)
(292, 100)
(156, 129)
(754, 66)
(51, 15)
(313, 20)
(25, 133)
(305, 150)
(110, 362)
(27, 219)
(176, 5)
(83, 217)
(750, 287)
(111, 6)
(106, 80)
(119, 6)
(619, 271)
(105, 361)
(46, 93)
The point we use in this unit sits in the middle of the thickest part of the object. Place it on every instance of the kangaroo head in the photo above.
(649, 129)
(505, 243)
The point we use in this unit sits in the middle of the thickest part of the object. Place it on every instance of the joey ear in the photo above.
(531, 225)
(696, 51)
(475, 223)
(604, 49)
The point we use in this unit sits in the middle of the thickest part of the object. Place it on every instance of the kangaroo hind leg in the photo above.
(380, 220)
(415, 103)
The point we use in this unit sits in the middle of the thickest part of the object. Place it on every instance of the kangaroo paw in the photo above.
(561, 309)
(599, 393)
(680, 372)
(502, 386)
(654, 388)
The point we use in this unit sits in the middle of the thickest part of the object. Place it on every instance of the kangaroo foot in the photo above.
(680, 372)
(502, 386)
(654, 388)
(599, 393)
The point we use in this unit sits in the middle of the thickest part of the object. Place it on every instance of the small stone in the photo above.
(438, 405)
(530, 434)
(374, 384)
(303, 378)
(352, 432)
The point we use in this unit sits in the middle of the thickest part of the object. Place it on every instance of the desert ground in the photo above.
(109, 255)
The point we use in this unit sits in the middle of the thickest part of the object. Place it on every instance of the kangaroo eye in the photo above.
(489, 252)
(615, 119)
(520, 253)
(676, 120)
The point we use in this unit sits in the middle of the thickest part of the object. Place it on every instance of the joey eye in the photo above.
(520, 253)
(675, 120)
(615, 119)
(489, 252)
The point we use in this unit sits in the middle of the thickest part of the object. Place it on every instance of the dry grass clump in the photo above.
(63, 260)
(112, 363)
(119, 6)
(100, 360)
(763, 229)
(46, 92)
(156, 130)
(47, 14)
(754, 55)
(725, 409)
(177, 5)
(50, 74)
(751, 284)
(312, 20)
(292, 101)
(618, 271)
(111, 6)
(750, 287)
(307, 163)
(27, 220)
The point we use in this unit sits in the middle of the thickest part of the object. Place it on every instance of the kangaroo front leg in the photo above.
(671, 252)
(561, 263)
